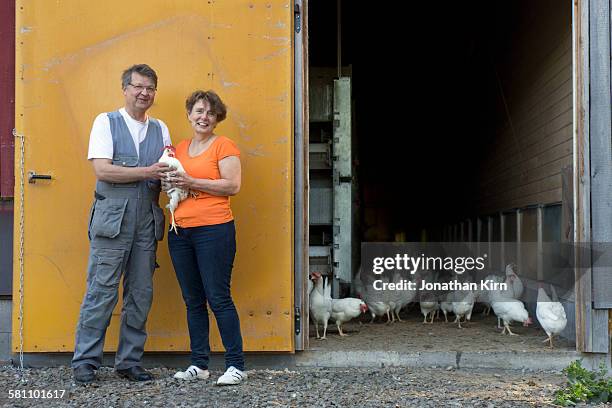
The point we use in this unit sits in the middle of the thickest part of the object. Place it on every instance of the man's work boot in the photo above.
(135, 373)
(85, 373)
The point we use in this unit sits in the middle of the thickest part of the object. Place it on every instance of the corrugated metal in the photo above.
(7, 96)
(73, 53)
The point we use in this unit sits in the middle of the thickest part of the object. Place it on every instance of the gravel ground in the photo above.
(301, 387)
(481, 334)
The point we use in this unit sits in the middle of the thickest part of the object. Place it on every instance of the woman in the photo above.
(204, 246)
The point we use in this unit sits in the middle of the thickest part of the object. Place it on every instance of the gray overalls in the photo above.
(125, 225)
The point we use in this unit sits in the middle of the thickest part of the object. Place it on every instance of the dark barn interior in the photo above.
(461, 121)
(433, 89)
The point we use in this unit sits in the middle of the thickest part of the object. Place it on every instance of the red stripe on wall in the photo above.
(7, 97)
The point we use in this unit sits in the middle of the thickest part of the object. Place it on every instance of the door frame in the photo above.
(301, 179)
(591, 58)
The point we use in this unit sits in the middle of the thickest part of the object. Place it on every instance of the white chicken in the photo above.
(509, 310)
(343, 310)
(175, 194)
(429, 305)
(463, 304)
(515, 285)
(378, 308)
(447, 305)
(391, 299)
(551, 315)
(401, 298)
(376, 303)
(483, 295)
(320, 306)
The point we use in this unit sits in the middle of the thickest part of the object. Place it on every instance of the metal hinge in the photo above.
(298, 18)
(298, 320)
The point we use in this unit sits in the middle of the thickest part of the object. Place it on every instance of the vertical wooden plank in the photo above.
(490, 237)
(502, 239)
(567, 205)
(600, 171)
(519, 233)
(540, 256)
(581, 198)
(478, 234)
(600, 141)
(469, 230)
(591, 325)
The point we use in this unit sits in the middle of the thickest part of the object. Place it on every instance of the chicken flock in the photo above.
(505, 303)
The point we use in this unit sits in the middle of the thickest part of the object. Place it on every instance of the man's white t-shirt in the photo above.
(101, 139)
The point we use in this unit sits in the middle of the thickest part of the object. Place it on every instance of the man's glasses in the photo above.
(140, 88)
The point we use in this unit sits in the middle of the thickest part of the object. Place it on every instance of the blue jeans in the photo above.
(203, 258)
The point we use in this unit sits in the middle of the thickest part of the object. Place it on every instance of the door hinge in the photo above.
(298, 320)
(298, 19)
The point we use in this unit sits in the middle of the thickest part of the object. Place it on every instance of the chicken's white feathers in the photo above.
(175, 194)
(551, 314)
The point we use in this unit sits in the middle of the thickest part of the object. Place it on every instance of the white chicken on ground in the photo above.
(343, 310)
(551, 315)
(483, 295)
(509, 310)
(447, 305)
(429, 305)
(376, 302)
(401, 298)
(320, 306)
(463, 304)
(175, 194)
(390, 298)
(378, 308)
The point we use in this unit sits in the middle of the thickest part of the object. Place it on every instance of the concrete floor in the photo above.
(411, 335)
(413, 344)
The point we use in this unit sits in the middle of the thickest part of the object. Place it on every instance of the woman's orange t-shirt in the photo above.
(205, 209)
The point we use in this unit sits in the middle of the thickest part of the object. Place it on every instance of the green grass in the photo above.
(584, 386)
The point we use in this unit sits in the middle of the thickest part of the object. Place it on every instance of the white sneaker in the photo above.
(192, 373)
(232, 376)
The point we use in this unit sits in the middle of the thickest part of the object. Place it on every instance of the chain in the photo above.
(21, 246)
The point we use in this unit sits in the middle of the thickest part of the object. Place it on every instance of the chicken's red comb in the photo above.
(170, 147)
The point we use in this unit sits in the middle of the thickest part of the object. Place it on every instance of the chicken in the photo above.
(391, 299)
(463, 304)
(447, 305)
(515, 285)
(378, 308)
(401, 298)
(343, 310)
(509, 310)
(483, 295)
(551, 315)
(320, 306)
(429, 305)
(513, 282)
(376, 302)
(175, 194)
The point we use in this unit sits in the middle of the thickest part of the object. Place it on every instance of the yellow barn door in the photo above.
(70, 55)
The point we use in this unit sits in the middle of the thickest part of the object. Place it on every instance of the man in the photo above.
(124, 227)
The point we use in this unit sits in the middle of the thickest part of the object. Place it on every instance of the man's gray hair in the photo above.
(142, 69)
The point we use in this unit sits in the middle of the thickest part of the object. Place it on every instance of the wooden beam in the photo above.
(591, 325)
(600, 136)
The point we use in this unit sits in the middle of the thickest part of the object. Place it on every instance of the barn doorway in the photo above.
(455, 125)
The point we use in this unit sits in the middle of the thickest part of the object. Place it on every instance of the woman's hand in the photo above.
(165, 185)
(180, 180)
